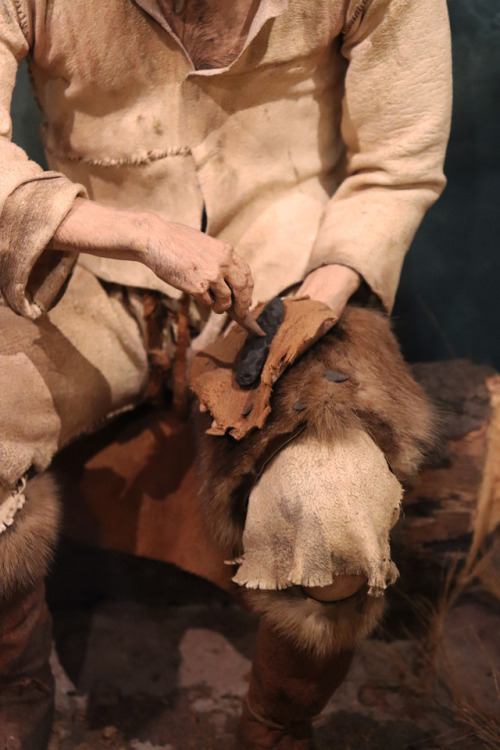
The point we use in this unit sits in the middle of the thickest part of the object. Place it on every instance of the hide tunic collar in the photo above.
(267, 10)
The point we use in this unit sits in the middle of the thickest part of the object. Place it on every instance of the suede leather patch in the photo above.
(238, 410)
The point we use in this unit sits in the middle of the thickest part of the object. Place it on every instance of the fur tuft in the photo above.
(26, 547)
(321, 629)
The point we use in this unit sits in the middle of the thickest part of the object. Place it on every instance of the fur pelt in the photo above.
(26, 547)
(319, 628)
(379, 396)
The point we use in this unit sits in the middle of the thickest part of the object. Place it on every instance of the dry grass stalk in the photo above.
(439, 679)
(478, 565)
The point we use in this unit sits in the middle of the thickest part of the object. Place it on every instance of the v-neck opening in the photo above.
(267, 9)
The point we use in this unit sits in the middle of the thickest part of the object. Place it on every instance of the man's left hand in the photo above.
(334, 285)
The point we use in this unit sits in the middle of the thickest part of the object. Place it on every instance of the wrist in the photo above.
(332, 284)
(141, 228)
(347, 277)
(151, 238)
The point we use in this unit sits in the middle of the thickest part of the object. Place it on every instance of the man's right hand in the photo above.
(205, 267)
(184, 257)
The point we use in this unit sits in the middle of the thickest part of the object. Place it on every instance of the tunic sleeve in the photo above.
(33, 202)
(395, 124)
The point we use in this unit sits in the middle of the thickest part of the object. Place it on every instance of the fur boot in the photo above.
(288, 688)
(318, 628)
(26, 682)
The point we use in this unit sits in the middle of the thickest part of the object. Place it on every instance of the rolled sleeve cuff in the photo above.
(33, 279)
(371, 232)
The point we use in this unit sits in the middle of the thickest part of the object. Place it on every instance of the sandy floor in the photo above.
(150, 658)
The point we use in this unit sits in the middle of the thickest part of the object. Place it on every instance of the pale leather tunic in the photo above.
(323, 142)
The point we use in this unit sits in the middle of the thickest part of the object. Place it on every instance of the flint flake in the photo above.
(255, 349)
(335, 376)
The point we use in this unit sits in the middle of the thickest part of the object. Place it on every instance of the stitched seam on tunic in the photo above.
(349, 24)
(126, 161)
(23, 22)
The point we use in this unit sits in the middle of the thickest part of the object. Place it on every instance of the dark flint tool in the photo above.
(255, 349)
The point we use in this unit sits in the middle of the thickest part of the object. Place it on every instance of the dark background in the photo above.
(448, 303)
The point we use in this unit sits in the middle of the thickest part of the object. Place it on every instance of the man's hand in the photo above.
(334, 285)
(185, 258)
(192, 261)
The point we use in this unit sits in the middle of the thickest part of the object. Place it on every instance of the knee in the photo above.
(28, 538)
(342, 587)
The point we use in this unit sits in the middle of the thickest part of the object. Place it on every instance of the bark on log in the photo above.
(452, 513)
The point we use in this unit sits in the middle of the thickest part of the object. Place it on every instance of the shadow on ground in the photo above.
(148, 657)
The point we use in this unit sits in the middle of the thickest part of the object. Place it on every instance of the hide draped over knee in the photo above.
(314, 493)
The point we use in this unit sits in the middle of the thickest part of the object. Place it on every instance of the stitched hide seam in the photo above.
(359, 10)
(126, 161)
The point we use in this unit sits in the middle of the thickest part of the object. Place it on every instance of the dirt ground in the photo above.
(147, 657)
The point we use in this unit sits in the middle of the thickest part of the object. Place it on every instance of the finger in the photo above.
(241, 305)
(221, 295)
(239, 272)
(204, 299)
(246, 320)
(241, 299)
(242, 288)
(248, 323)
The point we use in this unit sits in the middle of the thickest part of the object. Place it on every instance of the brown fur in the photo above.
(213, 33)
(319, 628)
(26, 547)
(380, 396)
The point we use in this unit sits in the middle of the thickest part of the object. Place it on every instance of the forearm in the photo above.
(103, 231)
(182, 256)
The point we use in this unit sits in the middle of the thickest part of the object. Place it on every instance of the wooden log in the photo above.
(453, 512)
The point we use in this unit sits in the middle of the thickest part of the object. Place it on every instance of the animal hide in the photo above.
(316, 627)
(353, 378)
(26, 547)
